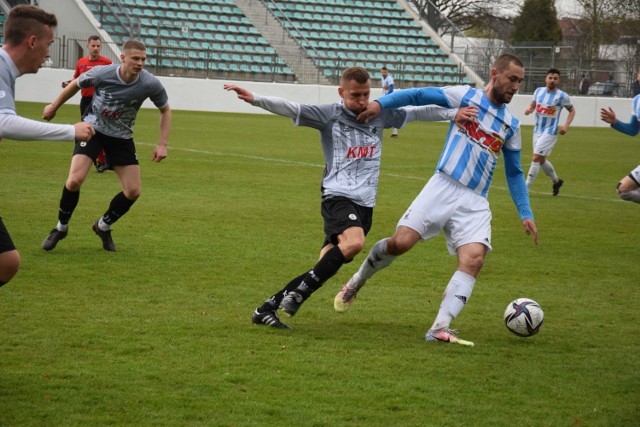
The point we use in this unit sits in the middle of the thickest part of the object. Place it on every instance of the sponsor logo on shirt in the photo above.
(361, 152)
(546, 111)
(492, 142)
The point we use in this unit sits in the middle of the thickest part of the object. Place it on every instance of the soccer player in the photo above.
(28, 33)
(120, 90)
(454, 200)
(84, 64)
(628, 187)
(387, 87)
(548, 102)
(352, 153)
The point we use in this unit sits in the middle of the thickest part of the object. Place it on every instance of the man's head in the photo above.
(506, 76)
(94, 45)
(355, 88)
(384, 71)
(28, 32)
(133, 57)
(552, 79)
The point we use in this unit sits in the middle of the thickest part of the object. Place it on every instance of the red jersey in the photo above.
(84, 65)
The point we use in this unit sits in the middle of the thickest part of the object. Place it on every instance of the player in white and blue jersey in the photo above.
(629, 186)
(388, 86)
(120, 91)
(352, 152)
(548, 102)
(455, 198)
(28, 33)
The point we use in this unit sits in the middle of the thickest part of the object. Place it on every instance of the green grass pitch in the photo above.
(160, 334)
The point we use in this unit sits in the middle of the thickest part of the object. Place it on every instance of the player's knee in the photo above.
(9, 266)
(352, 248)
(471, 263)
(74, 183)
(400, 243)
(132, 194)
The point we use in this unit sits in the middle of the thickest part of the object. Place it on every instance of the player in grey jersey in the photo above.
(120, 91)
(352, 153)
(28, 33)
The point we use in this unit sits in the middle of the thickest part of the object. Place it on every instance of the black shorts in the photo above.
(340, 213)
(6, 244)
(120, 152)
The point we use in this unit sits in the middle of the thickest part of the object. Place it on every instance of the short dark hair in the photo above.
(134, 44)
(25, 20)
(93, 37)
(504, 60)
(358, 74)
(553, 71)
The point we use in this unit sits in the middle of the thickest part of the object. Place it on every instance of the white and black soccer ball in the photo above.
(523, 317)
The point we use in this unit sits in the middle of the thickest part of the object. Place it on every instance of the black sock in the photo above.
(324, 270)
(2, 283)
(68, 203)
(274, 300)
(119, 206)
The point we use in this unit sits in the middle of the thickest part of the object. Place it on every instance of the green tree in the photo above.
(537, 22)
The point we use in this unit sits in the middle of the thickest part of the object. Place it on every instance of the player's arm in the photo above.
(518, 191)
(432, 113)
(15, 127)
(563, 129)
(530, 108)
(51, 109)
(160, 151)
(402, 98)
(273, 104)
(609, 116)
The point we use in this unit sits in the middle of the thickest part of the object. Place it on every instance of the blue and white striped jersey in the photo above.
(470, 155)
(548, 108)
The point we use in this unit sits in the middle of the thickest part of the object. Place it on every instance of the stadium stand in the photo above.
(217, 39)
(373, 34)
(205, 38)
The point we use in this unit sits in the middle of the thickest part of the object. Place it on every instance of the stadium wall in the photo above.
(209, 95)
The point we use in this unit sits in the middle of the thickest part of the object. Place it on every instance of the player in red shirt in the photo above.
(94, 45)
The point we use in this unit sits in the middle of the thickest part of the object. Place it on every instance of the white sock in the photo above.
(549, 170)
(377, 259)
(103, 225)
(455, 297)
(533, 173)
(62, 227)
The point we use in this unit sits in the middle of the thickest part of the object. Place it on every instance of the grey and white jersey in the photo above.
(16, 127)
(352, 150)
(116, 102)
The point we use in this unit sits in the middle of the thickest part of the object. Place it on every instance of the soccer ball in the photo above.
(523, 317)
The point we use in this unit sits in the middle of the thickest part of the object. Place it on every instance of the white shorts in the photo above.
(445, 204)
(543, 143)
(635, 174)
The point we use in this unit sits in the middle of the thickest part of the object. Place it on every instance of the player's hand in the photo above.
(160, 153)
(243, 93)
(465, 114)
(49, 112)
(371, 112)
(65, 83)
(528, 111)
(530, 228)
(84, 131)
(562, 130)
(607, 116)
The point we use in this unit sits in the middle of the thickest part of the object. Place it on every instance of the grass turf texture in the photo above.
(159, 333)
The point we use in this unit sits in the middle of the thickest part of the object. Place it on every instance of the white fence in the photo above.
(209, 95)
